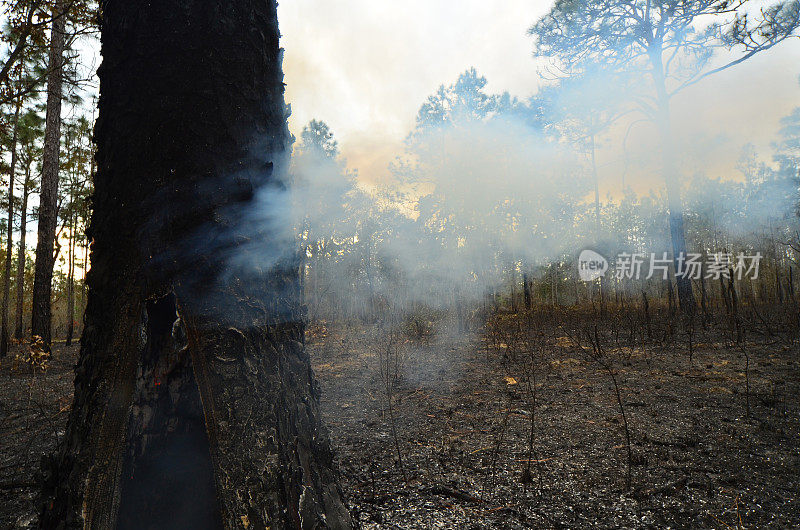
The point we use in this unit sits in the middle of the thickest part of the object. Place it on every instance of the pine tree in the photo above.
(193, 316)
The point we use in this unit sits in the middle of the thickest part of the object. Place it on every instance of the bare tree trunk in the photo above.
(71, 276)
(670, 296)
(369, 279)
(596, 178)
(85, 271)
(514, 287)
(526, 285)
(704, 298)
(48, 202)
(4, 333)
(672, 181)
(19, 331)
(725, 295)
(195, 406)
(736, 321)
(646, 308)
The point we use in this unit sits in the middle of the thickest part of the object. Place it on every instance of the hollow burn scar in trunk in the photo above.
(167, 476)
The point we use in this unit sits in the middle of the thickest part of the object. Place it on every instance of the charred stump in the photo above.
(195, 406)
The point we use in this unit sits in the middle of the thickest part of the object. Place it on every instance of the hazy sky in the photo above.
(366, 66)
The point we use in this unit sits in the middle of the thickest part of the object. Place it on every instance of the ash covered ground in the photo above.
(465, 415)
(516, 425)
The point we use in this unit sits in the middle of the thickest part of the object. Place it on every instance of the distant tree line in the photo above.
(447, 233)
(47, 163)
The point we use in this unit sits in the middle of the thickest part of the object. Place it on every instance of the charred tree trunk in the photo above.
(4, 332)
(195, 405)
(725, 295)
(646, 309)
(670, 297)
(19, 330)
(526, 285)
(736, 323)
(684, 284)
(48, 198)
(527, 292)
(672, 181)
(704, 298)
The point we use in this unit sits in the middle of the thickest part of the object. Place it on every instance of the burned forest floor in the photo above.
(34, 405)
(516, 424)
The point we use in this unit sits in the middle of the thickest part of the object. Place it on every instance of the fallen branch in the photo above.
(447, 492)
(18, 485)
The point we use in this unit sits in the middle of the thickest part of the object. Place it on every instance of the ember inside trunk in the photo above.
(195, 405)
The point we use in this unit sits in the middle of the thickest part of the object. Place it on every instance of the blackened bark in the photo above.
(48, 198)
(527, 291)
(736, 323)
(725, 296)
(4, 331)
(167, 466)
(676, 229)
(192, 145)
(704, 296)
(21, 258)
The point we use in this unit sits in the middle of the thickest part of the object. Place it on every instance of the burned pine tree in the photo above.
(195, 405)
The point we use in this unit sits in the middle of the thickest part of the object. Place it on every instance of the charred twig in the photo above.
(495, 450)
(767, 327)
(532, 453)
(449, 492)
(597, 355)
(746, 379)
(388, 377)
